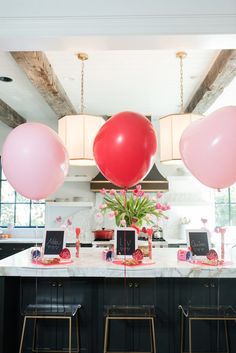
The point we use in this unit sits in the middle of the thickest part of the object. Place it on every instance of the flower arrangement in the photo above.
(134, 208)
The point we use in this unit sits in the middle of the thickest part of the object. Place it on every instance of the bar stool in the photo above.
(192, 313)
(52, 311)
(142, 312)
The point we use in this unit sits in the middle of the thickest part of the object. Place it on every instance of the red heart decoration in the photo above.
(65, 254)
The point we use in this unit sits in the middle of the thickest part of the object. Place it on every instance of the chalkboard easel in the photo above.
(54, 242)
(125, 242)
(199, 241)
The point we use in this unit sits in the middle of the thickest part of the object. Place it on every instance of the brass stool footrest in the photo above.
(200, 313)
(36, 312)
(141, 312)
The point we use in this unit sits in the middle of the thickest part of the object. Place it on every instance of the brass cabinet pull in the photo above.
(59, 284)
(206, 285)
(130, 284)
(136, 284)
(54, 284)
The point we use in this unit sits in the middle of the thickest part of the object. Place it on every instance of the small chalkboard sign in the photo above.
(125, 242)
(199, 241)
(54, 242)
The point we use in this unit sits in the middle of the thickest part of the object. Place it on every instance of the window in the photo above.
(225, 207)
(18, 210)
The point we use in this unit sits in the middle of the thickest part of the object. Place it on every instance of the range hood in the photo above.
(153, 182)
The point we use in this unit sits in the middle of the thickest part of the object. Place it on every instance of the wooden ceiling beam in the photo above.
(41, 74)
(220, 75)
(9, 116)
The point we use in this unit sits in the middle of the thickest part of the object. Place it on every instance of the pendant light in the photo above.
(173, 125)
(78, 131)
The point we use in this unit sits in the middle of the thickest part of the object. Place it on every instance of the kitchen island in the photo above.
(95, 283)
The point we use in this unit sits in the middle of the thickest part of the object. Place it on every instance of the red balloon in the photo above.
(124, 148)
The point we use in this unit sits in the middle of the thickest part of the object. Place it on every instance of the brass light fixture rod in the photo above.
(82, 57)
(181, 55)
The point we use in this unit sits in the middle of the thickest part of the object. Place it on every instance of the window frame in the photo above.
(227, 204)
(15, 203)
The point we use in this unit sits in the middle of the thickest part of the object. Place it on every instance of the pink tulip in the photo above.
(123, 222)
(122, 192)
(159, 194)
(111, 214)
(158, 206)
(138, 191)
(103, 191)
(112, 192)
(103, 206)
(99, 215)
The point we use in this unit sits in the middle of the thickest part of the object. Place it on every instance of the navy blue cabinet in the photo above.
(94, 294)
(130, 291)
(8, 249)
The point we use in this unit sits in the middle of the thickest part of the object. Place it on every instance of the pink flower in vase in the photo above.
(103, 191)
(123, 222)
(103, 206)
(112, 192)
(99, 215)
(138, 191)
(111, 214)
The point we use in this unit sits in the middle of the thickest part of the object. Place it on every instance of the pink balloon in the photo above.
(34, 160)
(208, 148)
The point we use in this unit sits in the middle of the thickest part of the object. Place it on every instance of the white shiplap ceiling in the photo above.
(142, 81)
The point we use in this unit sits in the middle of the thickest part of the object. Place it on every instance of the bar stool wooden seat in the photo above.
(196, 313)
(38, 312)
(141, 312)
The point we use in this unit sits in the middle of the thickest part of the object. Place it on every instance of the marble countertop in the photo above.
(90, 264)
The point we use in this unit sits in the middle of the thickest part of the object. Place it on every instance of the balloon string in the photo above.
(125, 269)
